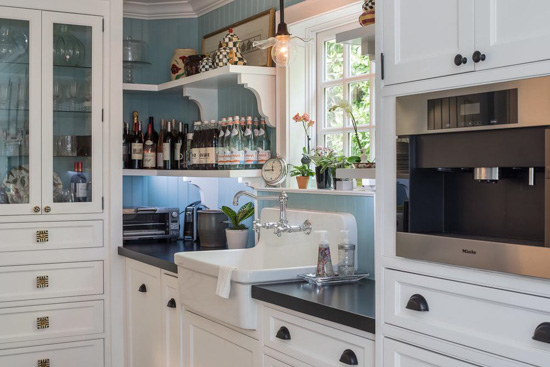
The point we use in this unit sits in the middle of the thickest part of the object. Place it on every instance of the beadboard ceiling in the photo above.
(167, 9)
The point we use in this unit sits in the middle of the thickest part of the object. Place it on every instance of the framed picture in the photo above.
(258, 27)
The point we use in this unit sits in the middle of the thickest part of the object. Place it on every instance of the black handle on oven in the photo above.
(418, 303)
(542, 333)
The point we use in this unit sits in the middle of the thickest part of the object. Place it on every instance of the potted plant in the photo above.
(307, 123)
(324, 160)
(237, 234)
(302, 174)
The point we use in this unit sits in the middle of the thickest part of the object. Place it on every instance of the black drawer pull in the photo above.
(171, 303)
(460, 60)
(142, 288)
(418, 303)
(542, 333)
(349, 358)
(283, 333)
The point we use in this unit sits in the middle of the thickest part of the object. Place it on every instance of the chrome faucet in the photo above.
(280, 227)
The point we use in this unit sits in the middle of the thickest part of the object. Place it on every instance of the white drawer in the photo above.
(398, 354)
(313, 343)
(50, 321)
(19, 283)
(81, 354)
(497, 321)
(50, 235)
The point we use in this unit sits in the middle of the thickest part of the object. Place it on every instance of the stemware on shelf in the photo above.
(13, 44)
(68, 49)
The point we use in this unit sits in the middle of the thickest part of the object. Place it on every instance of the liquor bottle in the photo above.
(189, 147)
(160, 146)
(264, 152)
(141, 131)
(79, 184)
(126, 146)
(220, 150)
(155, 134)
(168, 147)
(250, 149)
(256, 128)
(136, 158)
(149, 149)
(179, 161)
(236, 144)
(174, 128)
(195, 151)
(227, 143)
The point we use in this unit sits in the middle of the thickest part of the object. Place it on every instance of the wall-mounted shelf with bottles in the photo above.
(203, 88)
(245, 173)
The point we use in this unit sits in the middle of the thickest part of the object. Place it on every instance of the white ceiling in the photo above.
(169, 9)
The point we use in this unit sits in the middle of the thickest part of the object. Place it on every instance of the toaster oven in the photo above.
(150, 223)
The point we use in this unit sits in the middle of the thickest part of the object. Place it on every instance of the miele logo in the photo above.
(470, 252)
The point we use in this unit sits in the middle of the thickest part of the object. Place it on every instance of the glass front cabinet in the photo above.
(50, 112)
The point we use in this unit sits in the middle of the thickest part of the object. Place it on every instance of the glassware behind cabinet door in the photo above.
(68, 49)
(13, 44)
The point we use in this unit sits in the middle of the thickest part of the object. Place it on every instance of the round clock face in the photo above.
(274, 171)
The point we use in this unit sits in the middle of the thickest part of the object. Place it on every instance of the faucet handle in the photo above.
(256, 226)
(307, 226)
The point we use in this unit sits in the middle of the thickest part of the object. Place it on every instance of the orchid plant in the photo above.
(307, 123)
(348, 110)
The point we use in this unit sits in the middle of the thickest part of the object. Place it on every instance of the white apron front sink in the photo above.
(273, 259)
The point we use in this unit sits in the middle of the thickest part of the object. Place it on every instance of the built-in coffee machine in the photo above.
(473, 177)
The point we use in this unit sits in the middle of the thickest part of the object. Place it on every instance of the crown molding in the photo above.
(170, 9)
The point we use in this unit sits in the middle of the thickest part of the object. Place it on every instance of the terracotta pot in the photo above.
(236, 239)
(177, 64)
(302, 181)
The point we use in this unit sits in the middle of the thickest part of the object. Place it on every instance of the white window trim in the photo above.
(345, 81)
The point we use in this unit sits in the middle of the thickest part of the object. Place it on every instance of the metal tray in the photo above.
(313, 279)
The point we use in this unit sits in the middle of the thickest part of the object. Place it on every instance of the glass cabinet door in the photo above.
(72, 108)
(20, 165)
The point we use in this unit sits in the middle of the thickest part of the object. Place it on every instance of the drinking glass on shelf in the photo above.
(4, 95)
(22, 95)
(66, 146)
(86, 97)
(56, 95)
(72, 94)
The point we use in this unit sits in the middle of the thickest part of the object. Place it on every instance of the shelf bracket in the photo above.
(206, 100)
(262, 85)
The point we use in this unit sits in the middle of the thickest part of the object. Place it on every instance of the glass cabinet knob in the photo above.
(36, 209)
(47, 209)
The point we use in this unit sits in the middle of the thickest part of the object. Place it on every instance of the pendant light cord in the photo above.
(282, 29)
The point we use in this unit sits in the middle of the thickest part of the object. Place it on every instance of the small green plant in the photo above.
(245, 212)
(302, 170)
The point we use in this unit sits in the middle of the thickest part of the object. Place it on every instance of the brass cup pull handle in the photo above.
(36, 209)
(43, 363)
(47, 209)
(42, 236)
(42, 281)
(42, 322)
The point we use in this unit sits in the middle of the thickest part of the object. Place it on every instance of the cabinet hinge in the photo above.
(102, 203)
(102, 114)
(382, 62)
(103, 25)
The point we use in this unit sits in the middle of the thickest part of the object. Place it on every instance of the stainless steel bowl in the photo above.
(212, 225)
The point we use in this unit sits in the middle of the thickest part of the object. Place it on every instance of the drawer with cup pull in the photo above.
(18, 283)
(50, 235)
(50, 321)
(510, 324)
(300, 339)
(82, 354)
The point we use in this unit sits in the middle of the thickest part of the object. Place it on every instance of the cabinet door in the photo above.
(510, 32)
(270, 362)
(172, 321)
(72, 77)
(209, 344)
(20, 136)
(398, 354)
(144, 320)
(422, 38)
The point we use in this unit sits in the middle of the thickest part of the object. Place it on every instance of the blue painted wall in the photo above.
(361, 207)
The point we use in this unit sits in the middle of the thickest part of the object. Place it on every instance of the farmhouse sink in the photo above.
(273, 259)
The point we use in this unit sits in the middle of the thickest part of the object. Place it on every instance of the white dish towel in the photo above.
(224, 281)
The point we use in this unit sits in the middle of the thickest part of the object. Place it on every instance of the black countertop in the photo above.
(159, 253)
(346, 304)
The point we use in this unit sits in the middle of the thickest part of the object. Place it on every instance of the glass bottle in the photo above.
(189, 148)
(149, 149)
(227, 143)
(256, 128)
(237, 148)
(168, 147)
(160, 146)
(250, 149)
(203, 141)
(264, 152)
(79, 184)
(154, 132)
(178, 148)
(126, 146)
(136, 146)
(220, 151)
(243, 125)
(211, 145)
(195, 151)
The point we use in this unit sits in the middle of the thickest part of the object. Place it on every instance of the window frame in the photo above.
(347, 129)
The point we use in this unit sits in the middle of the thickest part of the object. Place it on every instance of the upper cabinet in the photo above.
(50, 112)
(433, 38)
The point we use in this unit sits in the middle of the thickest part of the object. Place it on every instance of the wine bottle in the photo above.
(126, 146)
(136, 146)
(178, 148)
(188, 154)
(168, 147)
(195, 151)
(155, 134)
(250, 148)
(160, 145)
(79, 184)
(149, 149)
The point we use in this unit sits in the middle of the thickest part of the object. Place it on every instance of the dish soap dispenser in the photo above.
(346, 256)
(324, 261)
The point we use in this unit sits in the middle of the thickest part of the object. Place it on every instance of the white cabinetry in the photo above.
(153, 317)
(433, 38)
(398, 354)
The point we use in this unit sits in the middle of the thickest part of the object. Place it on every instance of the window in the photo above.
(343, 73)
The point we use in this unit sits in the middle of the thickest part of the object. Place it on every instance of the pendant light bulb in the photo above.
(284, 51)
